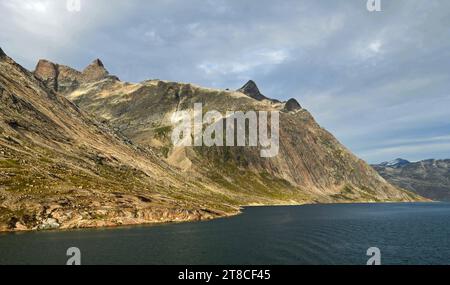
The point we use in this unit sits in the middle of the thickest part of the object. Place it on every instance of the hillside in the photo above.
(59, 168)
(428, 178)
(311, 160)
(84, 149)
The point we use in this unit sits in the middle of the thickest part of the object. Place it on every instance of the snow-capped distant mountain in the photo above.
(428, 178)
(396, 163)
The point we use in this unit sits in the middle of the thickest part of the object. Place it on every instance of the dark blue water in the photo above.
(313, 234)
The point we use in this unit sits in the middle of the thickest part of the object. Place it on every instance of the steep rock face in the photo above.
(58, 77)
(48, 72)
(312, 165)
(428, 178)
(95, 71)
(65, 79)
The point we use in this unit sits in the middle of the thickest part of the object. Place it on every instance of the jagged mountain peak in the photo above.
(45, 61)
(2, 53)
(5, 57)
(251, 89)
(47, 71)
(95, 71)
(97, 62)
(250, 86)
(45, 68)
(396, 163)
(292, 105)
(64, 79)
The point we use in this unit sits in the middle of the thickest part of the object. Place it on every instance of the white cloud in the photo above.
(375, 46)
(29, 5)
(247, 62)
(37, 6)
(368, 50)
(50, 28)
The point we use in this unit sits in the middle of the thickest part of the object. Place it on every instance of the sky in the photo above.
(379, 81)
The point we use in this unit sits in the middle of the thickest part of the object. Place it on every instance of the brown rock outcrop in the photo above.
(95, 71)
(63, 79)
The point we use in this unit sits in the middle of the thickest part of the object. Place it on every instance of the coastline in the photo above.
(136, 223)
(111, 224)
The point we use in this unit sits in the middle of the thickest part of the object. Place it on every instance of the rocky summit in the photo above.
(95, 71)
(251, 89)
(84, 149)
(292, 105)
(61, 78)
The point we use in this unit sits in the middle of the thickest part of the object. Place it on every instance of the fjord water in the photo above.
(312, 234)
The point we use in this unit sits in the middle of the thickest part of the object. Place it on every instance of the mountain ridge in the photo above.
(396, 163)
(108, 100)
(62, 78)
(97, 152)
(429, 178)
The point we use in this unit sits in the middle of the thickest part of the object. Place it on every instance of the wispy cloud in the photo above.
(246, 63)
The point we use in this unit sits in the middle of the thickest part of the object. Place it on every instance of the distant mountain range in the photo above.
(84, 149)
(396, 163)
(428, 178)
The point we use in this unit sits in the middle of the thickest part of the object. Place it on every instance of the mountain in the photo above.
(84, 149)
(59, 168)
(61, 78)
(396, 163)
(312, 164)
(428, 178)
(251, 89)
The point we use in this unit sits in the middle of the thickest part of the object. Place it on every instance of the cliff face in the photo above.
(428, 178)
(94, 72)
(64, 79)
(112, 162)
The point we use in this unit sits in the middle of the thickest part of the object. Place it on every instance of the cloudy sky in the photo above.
(380, 81)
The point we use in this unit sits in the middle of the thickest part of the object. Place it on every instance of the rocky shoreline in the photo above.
(55, 219)
(89, 211)
(143, 217)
